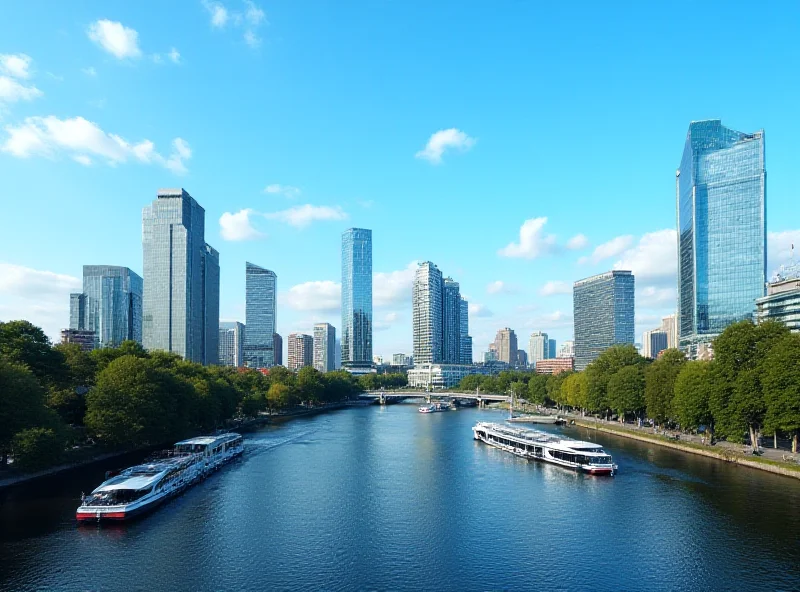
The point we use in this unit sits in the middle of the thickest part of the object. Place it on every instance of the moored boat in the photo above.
(141, 488)
(586, 457)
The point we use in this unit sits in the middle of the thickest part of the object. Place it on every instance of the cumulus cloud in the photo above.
(16, 65)
(548, 321)
(248, 20)
(175, 56)
(302, 216)
(532, 241)
(779, 249)
(495, 287)
(609, 249)
(577, 242)
(90, 71)
(552, 288)
(218, 12)
(12, 91)
(654, 259)
(284, 190)
(314, 296)
(442, 141)
(655, 297)
(237, 227)
(120, 41)
(393, 287)
(80, 139)
(479, 311)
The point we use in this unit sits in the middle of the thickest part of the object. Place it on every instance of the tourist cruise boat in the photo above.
(141, 488)
(586, 457)
(434, 407)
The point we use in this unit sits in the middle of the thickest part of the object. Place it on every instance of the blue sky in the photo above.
(518, 145)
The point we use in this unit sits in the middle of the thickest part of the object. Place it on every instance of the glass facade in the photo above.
(721, 211)
(181, 279)
(603, 311)
(324, 347)
(538, 347)
(426, 313)
(261, 297)
(77, 311)
(466, 340)
(552, 351)
(231, 344)
(357, 298)
(451, 322)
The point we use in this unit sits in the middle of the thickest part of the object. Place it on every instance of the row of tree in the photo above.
(55, 396)
(752, 385)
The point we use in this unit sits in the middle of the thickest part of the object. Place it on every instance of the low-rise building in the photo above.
(441, 376)
(782, 302)
(83, 337)
(555, 365)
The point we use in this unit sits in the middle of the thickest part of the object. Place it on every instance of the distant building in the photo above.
(301, 351)
(451, 322)
(555, 365)
(231, 343)
(261, 311)
(669, 325)
(357, 298)
(440, 376)
(653, 343)
(338, 358)
(401, 360)
(466, 340)
(277, 347)
(782, 302)
(506, 343)
(426, 312)
(567, 349)
(538, 347)
(552, 348)
(722, 230)
(181, 279)
(84, 338)
(603, 308)
(77, 311)
(324, 347)
(522, 359)
(490, 356)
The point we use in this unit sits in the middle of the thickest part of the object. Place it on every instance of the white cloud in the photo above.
(314, 296)
(302, 216)
(90, 71)
(12, 91)
(254, 15)
(608, 249)
(532, 241)
(219, 14)
(249, 20)
(552, 288)
(285, 190)
(82, 159)
(577, 242)
(16, 65)
(41, 297)
(654, 297)
(175, 56)
(654, 258)
(549, 321)
(49, 136)
(237, 227)
(495, 287)
(479, 311)
(251, 39)
(779, 249)
(443, 140)
(393, 287)
(118, 40)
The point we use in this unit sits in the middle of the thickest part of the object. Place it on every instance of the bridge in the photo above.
(384, 397)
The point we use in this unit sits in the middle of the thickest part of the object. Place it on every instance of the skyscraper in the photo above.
(451, 322)
(426, 312)
(110, 305)
(466, 340)
(552, 349)
(261, 290)
(506, 342)
(721, 205)
(300, 351)
(603, 313)
(324, 347)
(538, 347)
(357, 298)
(277, 347)
(231, 344)
(181, 279)
(669, 325)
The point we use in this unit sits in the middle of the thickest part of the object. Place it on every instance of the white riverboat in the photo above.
(586, 457)
(142, 488)
(434, 408)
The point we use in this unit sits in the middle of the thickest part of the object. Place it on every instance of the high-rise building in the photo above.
(551, 353)
(300, 351)
(567, 349)
(324, 347)
(261, 306)
(357, 298)
(231, 343)
(669, 325)
(603, 314)
(721, 205)
(506, 343)
(451, 322)
(401, 360)
(522, 359)
(538, 347)
(181, 279)
(466, 340)
(110, 305)
(782, 302)
(653, 343)
(338, 357)
(277, 347)
(427, 311)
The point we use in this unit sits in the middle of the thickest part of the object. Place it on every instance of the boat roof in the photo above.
(543, 437)
(137, 480)
(208, 440)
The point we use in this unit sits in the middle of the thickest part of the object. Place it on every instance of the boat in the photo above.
(585, 457)
(139, 489)
(427, 408)
(434, 407)
(542, 419)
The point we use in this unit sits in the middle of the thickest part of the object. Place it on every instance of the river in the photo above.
(385, 498)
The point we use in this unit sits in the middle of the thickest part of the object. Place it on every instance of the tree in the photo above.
(69, 404)
(309, 384)
(692, 390)
(37, 448)
(554, 382)
(22, 342)
(279, 396)
(748, 404)
(104, 356)
(21, 402)
(574, 390)
(781, 383)
(626, 391)
(659, 389)
(81, 367)
(599, 372)
(537, 389)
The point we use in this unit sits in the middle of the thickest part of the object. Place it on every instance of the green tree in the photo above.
(81, 368)
(554, 392)
(37, 448)
(626, 391)
(21, 402)
(659, 388)
(537, 389)
(104, 356)
(692, 391)
(279, 396)
(599, 372)
(22, 342)
(309, 384)
(575, 390)
(781, 384)
(69, 404)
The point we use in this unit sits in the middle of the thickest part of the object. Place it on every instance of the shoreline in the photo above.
(722, 454)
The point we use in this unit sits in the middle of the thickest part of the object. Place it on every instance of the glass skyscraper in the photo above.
(181, 279)
(603, 308)
(110, 305)
(466, 340)
(324, 347)
(231, 343)
(261, 297)
(451, 322)
(426, 313)
(721, 206)
(357, 298)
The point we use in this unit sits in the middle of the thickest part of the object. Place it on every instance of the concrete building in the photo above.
(653, 343)
(357, 299)
(441, 376)
(277, 347)
(181, 279)
(782, 302)
(231, 343)
(522, 359)
(567, 349)
(426, 312)
(669, 325)
(451, 322)
(86, 339)
(538, 347)
(261, 316)
(506, 343)
(324, 347)
(401, 360)
(300, 351)
(555, 365)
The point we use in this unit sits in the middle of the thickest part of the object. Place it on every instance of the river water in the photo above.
(390, 499)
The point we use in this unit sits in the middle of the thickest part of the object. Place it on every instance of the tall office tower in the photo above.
(653, 343)
(721, 204)
(324, 347)
(522, 359)
(506, 342)
(538, 347)
(669, 325)
(277, 347)
(110, 305)
(357, 298)
(426, 314)
(603, 314)
(552, 349)
(451, 322)
(181, 279)
(567, 349)
(466, 340)
(300, 351)
(338, 357)
(260, 311)
(231, 343)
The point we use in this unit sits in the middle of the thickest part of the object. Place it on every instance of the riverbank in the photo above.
(728, 453)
